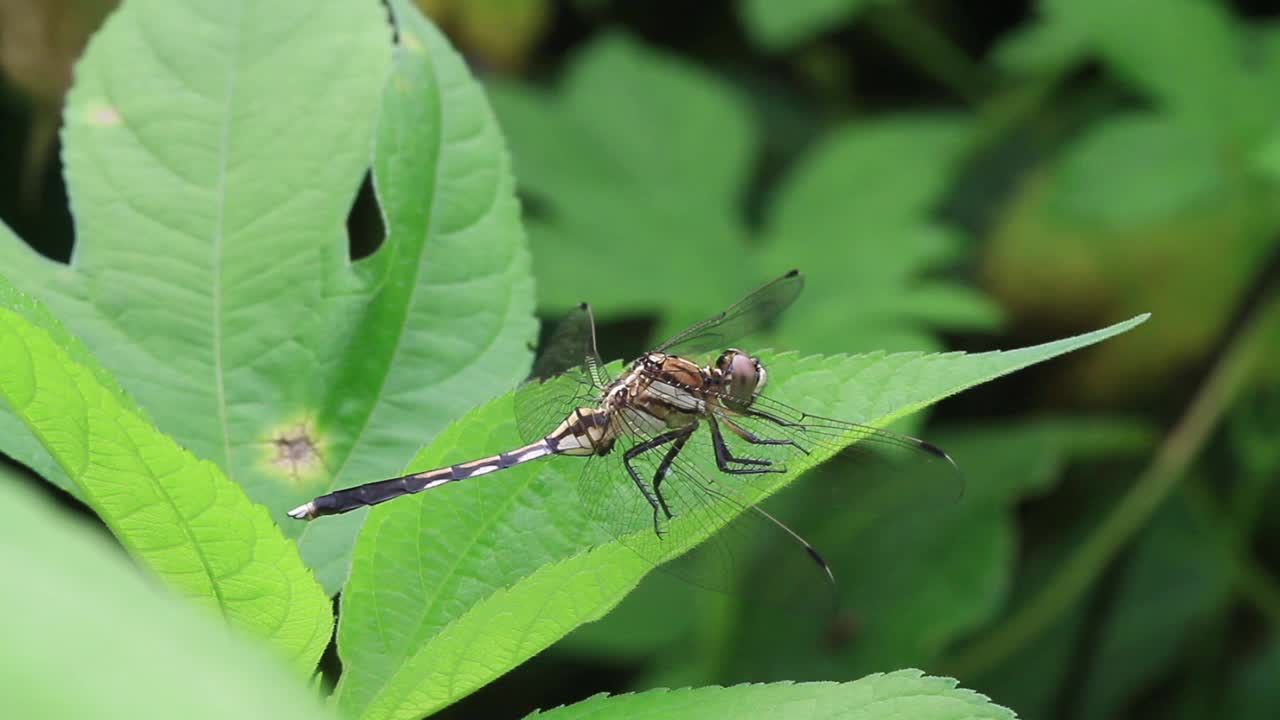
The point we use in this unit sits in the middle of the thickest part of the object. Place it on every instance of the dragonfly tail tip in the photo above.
(303, 512)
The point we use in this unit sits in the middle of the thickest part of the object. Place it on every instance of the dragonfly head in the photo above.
(742, 377)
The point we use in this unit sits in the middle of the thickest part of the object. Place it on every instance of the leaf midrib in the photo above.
(219, 236)
(404, 317)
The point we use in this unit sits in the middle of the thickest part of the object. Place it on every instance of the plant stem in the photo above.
(1172, 458)
(932, 51)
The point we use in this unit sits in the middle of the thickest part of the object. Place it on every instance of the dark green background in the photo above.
(950, 175)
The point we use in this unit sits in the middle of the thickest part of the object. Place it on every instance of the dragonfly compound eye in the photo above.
(745, 377)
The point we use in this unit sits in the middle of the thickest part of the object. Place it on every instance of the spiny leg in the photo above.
(754, 439)
(724, 457)
(664, 466)
(646, 446)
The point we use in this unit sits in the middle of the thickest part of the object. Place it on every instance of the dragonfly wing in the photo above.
(571, 344)
(750, 314)
(567, 374)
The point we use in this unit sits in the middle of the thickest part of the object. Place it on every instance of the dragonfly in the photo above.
(678, 451)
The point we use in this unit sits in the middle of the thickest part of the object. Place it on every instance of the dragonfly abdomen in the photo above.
(348, 499)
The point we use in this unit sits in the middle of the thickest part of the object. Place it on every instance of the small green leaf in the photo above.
(86, 636)
(178, 515)
(901, 694)
(778, 25)
(453, 587)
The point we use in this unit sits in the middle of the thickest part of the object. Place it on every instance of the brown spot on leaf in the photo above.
(295, 451)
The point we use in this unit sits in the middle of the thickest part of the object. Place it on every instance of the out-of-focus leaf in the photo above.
(637, 161)
(906, 694)
(913, 580)
(1190, 56)
(499, 32)
(1002, 463)
(1254, 694)
(777, 25)
(1188, 266)
(178, 515)
(637, 168)
(1042, 46)
(855, 214)
(453, 587)
(86, 636)
(211, 271)
(1178, 577)
(1161, 209)
(1137, 168)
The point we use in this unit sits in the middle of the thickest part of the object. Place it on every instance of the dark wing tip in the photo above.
(584, 306)
(937, 451)
(792, 273)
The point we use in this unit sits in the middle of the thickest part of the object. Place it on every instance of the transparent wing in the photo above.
(570, 345)
(613, 500)
(567, 373)
(748, 315)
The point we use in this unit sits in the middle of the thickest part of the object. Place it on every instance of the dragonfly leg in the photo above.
(724, 457)
(676, 446)
(754, 439)
(633, 452)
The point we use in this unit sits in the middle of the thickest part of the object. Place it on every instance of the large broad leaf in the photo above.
(639, 163)
(86, 636)
(453, 587)
(178, 515)
(905, 694)
(211, 161)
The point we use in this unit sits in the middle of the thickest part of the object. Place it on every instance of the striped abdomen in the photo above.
(584, 432)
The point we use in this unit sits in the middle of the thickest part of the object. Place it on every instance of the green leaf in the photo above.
(451, 588)
(920, 577)
(869, 190)
(1179, 577)
(86, 636)
(450, 322)
(905, 693)
(605, 201)
(211, 162)
(778, 25)
(587, 153)
(1253, 693)
(178, 515)
(1137, 168)
(749, 638)
(1203, 77)
(1042, 46)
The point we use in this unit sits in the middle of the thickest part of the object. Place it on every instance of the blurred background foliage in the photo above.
(950, 175)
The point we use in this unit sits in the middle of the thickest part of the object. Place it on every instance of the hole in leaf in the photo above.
(365, 228)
